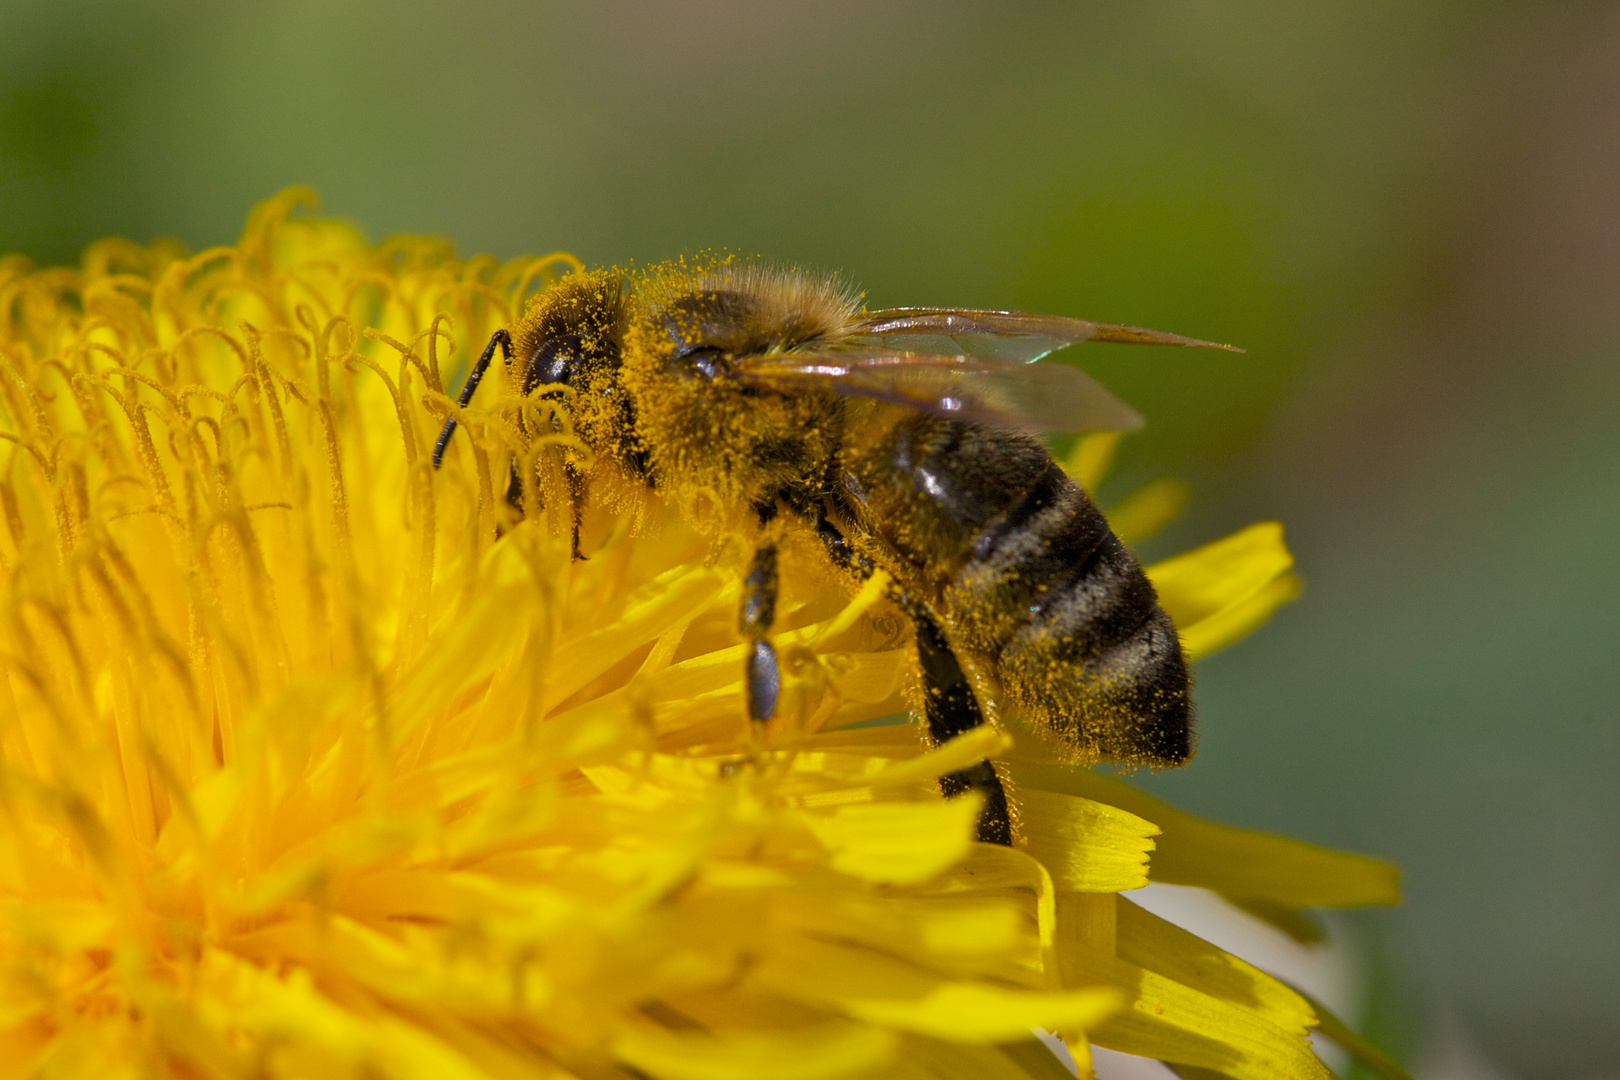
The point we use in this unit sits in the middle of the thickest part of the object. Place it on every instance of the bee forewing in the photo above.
(1139, 335)
(1011, 336)
(1035, 398)
(1008, 336)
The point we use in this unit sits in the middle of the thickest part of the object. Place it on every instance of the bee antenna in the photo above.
(471, 387)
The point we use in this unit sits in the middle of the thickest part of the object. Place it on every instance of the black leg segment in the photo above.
(950, 710)
(764, 681)
(575, 480)
(763, 676)
(504, 340)
(948, 702)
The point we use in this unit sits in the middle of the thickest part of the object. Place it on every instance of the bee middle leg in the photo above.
(950, 707)
(762, 675)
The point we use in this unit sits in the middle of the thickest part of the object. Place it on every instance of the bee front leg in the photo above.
(514, 488)
(575, 480)
(476, 376)
(762, 676)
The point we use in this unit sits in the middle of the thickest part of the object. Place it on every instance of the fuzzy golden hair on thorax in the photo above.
(710, 439)
(784, 307)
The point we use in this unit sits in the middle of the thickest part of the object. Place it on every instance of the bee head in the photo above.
(572, 332)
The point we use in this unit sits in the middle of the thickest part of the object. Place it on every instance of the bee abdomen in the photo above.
(1074, 627)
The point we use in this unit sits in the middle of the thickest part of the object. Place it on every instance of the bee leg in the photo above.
(576, 498)
(762, 676)
(951, 709)
(504, 340)
(949, 705)
(514, 489)
(576, 502)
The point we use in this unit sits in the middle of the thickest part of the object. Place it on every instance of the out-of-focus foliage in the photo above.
(1149, 258)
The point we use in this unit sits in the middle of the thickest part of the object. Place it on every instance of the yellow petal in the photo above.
(984, 741)
(828, 1052)
(674, 598)
(1087, 846)
(1241, 618)
(1088, 461)
(1148, 941)
(1027, 1059)
(974, 1012)
(1166, 1019)
(310, 1035)
(862, 776)
(969, 932)
(897, 843)
(1148, 509)
(881, 989)
(1222, 591)
(1172, 1022)
(1240, 863)
(1079, 1048)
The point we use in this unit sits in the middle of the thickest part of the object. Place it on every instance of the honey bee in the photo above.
(903, 441)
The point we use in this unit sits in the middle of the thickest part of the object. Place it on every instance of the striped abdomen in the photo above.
(1025, 574)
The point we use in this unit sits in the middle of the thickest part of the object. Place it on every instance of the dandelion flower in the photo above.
(315, 761)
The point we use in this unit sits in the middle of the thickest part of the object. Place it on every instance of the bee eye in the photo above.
(704, 359)
(553, 361)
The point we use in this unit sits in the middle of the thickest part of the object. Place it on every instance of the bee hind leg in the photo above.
(951, 709)
(949, 705)
(762, 675)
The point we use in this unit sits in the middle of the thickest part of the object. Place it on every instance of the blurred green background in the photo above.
(1408, 212)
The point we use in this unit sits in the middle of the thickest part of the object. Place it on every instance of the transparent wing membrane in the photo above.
(1008, 336)
(1036, 398)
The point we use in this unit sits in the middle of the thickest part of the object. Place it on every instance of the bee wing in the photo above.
(1036, 398)
(1009, 336)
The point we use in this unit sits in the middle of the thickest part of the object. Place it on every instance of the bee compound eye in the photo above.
(553, 361)
(703, 360)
